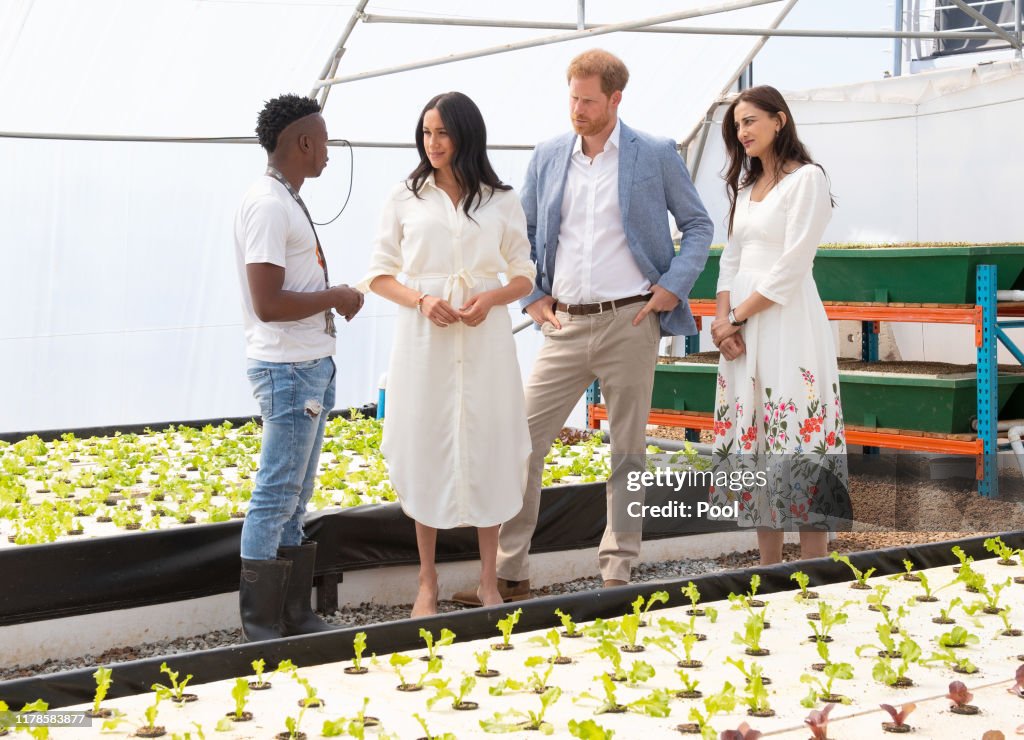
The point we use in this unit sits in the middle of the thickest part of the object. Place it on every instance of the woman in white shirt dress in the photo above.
(455, 433)
(777, 407)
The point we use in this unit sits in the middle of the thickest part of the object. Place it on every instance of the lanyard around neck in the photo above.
(276, 174)
(328, 314)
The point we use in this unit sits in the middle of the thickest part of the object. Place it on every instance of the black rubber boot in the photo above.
(261, 593)
(298, 617)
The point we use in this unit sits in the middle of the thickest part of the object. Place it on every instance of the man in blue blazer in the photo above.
(609, 286)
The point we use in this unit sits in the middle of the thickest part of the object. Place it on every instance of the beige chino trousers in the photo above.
(606, 347)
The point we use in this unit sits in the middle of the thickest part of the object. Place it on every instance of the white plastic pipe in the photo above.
(1002, 425)
(1016, 445)
(1010, 295)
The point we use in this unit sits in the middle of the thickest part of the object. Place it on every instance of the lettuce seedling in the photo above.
(259, 684)
(482, 670)
(829, 618)
(568, 626)
(693, 594)
(654, 704)
(751, 637)
(630, 626)
(890, 673)
(399, 661)
(802, 579)
(440, 686)
(756, 697)
(535, 682)
(959, 694)
(887, 646)
(898, 717)
(103, 682)
(515, 721)
(989, 594)
(506, 626)
(588, 729)
(689, 690)
(822, 690)
(944, 612)
(310, 699)
(1018, 686)
(949, 658)
(176, 691)
(240, 693)
(358, 647)
(743, 732)
(817, 722)
(355, 727)
(447, 638)
(552, 639)
(957, 637)
(860, 577)
(426, 730)
(723, 702)
(996, 546)
(1008, 629)
(640, 609)
(160, 692)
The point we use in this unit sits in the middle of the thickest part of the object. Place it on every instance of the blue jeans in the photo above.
(294, 398)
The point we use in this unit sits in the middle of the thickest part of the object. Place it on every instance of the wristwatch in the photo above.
(732, 319)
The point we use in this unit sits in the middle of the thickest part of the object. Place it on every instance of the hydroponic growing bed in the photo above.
(624, 677)
(184, 490)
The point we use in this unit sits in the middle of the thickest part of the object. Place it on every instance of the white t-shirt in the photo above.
(271, 227)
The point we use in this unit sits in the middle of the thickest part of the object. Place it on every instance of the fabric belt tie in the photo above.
(452, 280)
(585, 309)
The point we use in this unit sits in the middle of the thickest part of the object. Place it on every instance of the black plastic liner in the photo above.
(76, 687)
(85, 576)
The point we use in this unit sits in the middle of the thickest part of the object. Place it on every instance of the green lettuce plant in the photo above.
(516, 721)
(506, 626)
(860, 577)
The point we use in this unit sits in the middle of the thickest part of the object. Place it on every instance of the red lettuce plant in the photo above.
(898, 717)
(1018, 686)
(959, 694)
(817, 721)
(743, 732)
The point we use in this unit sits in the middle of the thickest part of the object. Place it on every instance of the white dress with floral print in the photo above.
(777, 406)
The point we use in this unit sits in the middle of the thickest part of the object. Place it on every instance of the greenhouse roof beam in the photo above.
(994, 27)
(330, 67)
(699, 30)
(723, 7)
(704, 126)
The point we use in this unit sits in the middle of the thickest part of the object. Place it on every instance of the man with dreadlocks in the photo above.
(288, 305)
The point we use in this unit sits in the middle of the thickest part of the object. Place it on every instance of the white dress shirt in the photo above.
(593, 262)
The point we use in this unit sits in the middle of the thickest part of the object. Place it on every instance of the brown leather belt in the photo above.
(585, 309)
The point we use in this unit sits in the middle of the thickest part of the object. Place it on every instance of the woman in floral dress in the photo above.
(777, 407)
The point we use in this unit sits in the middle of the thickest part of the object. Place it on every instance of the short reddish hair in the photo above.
(603, 64)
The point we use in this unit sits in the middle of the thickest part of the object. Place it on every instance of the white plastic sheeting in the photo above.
(119, 299)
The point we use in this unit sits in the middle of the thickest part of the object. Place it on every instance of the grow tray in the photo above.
(927, 397)
(791, 657)
(899, 273)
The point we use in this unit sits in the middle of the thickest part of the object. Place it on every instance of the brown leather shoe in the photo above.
(509, 590)
(613, 582)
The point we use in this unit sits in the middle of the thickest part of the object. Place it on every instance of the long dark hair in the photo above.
(470, 165)
(742, 170)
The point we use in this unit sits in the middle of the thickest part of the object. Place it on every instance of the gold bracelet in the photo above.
(419, 302)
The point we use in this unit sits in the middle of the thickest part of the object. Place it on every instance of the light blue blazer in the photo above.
(652, 180)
